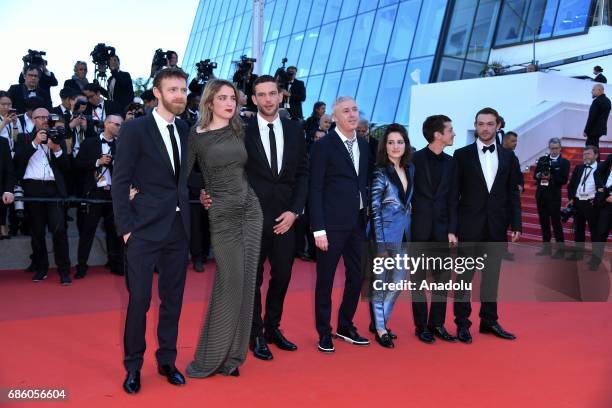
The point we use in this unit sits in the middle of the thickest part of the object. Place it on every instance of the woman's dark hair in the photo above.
(315, 107)
(381, 158)
(4, 94)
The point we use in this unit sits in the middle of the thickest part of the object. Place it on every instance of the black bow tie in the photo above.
(490, 148)
(588, 166)
(108, 142)
(99, 106)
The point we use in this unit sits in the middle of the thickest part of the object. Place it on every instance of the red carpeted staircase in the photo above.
(531, 225)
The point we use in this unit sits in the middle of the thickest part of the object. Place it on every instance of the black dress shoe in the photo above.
(81, 272)
(441, 333)
(350, 335)
(385, 340)
(172, 374)
(498, 331)
(260, 349)
(425, 336)
(198, 266)
(393, 336)
(559, 254)
(131, 385)
(463, 335)
(276, 337)
(326, 345)
(235, 373)
(544, 251)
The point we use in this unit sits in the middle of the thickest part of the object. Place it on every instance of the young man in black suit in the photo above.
(294, 95)
(597, 123)
(95, 162)
(151, 156)
(337, 200)
(98, 107)
(488, 192)
(278, 172)
(120, 88)
(19, 93)
(434, 204)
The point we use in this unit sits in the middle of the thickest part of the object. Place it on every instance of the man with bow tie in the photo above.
(95, 160)
(98, 107)
(581, 193)
(488, 193)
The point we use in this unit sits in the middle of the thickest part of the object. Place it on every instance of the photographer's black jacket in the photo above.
(597, 122)
(90, 152)
(123, 91)
(60, 165)
(298, 95)
(560, 169)
(19, 93)
(7, 174)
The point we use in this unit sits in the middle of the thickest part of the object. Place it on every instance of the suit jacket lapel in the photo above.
(184, 138)
(501, 161)
(158, 141)
(364, 148)
(343, 150)
(255, 137)
(478, 165)
(286, 146)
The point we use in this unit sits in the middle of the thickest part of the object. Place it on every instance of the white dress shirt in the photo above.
(344, 139)
(39, 167)
(586, 185)
(29, 124)
(104, 178)
(488, 163)
(264, 132)
(162, 125)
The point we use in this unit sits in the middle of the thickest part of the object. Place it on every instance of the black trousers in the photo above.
(45, 215)
(549, 213)
(592, 140)
(91, 219)
(199, 244)
(348, 245)
(279, 250)
(170, 257)
(604, 226)
(437, 309)
(303, 234)
(585, 212)
(489, 282)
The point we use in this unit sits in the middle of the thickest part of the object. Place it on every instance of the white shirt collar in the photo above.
(263, 123)
(161, 122)
(343, 137)
(480, 145)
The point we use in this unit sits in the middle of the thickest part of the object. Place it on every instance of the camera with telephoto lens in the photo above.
(19, 206)
(101, 54)
(544, 166)
(160, 60)
(205, 69)
(34, 57)
(55, 134)
(281, 76)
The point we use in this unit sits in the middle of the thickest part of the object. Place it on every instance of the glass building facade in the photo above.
(375, 50)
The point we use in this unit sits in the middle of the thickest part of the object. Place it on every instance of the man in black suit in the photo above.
(294, 95)
(29, 89)
(98, 107)
(7, 173)
(337, 200)
(42, 165)
(597, 122)
(120, 88)
(47, 78)
(151, 156)
(434, 203)
(581, 192)
(599, 76)
(551, 174)
(278, 172)
(603, 206)
(95, 161)
(509, 142)
(488, 192)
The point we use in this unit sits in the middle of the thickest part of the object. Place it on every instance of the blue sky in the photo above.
(69, 30)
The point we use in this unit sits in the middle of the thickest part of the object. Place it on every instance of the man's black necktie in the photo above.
(273, 158)
(490, 148)
(175, 154)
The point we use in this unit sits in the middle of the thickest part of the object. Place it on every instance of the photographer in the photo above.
(603, 205)
(244, 78)
(47, 78)
(41, 164)
(581, 193)
(8, 120)
(19, 93)
(294, 94)
(120, 88)
(551, 173)
(134, 110)
(98, 107)
(171, 59)
(204, 74)
(191, 114)
(95, 160)
(149, 100)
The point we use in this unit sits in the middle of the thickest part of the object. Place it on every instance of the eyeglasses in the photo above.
(41, 117)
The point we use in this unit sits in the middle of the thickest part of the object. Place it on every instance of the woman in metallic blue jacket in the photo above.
(391, 192)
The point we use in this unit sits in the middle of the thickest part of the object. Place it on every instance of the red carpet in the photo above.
(71, 337)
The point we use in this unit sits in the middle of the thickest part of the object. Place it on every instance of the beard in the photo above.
(176, 107)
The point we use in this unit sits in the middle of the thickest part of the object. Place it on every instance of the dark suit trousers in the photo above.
(279, 250)
(437, 311)
(303, 234)
(585, 212)
(489, 283)
(549, 212)
(43, 215)
(348, 245)
(91, 219)
(592, 140)
(604, 226)
(199, 245)
(170, 257)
